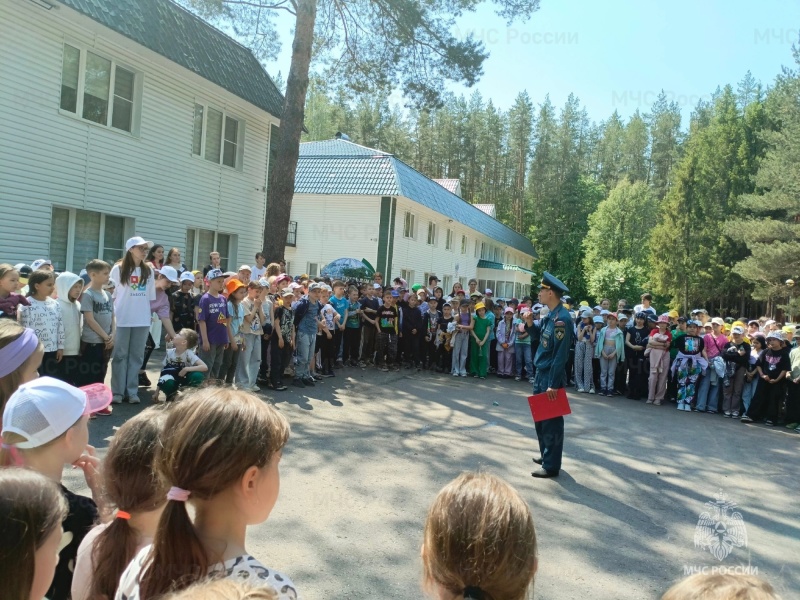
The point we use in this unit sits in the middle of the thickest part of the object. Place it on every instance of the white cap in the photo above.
(287, 292)
(43, 409)
(187, 276)
(245, 268)
(315, 286)
(137, 241)
(170, 273)
(487, 291)
(214, 274)
(39, 263)
(263, 282)
(377, 286)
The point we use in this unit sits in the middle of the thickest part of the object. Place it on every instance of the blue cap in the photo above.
(551, 282)
(395, 294)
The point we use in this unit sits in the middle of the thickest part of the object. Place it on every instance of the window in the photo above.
(448, 241)
(425, 279)
(202, 242)
(431, 233)
(447, 284)
(78, 236)
(217, 136)
(407, 275)
(98, 89)
(313, 270)
(477, 248)
(410, 225)
(291, 234)
(463, 244)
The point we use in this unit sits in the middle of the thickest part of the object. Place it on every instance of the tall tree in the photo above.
(616, 249)
(664, 122)
(369, 45)
(635, 144)
(610, 150)
(709, 180)
(520, 130)
(771, 227)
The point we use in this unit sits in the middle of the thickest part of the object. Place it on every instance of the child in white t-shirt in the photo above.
(181, 367)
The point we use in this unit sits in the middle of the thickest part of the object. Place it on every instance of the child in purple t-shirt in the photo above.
(212, 315)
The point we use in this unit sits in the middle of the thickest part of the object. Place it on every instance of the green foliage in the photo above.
(770, 228)
(616, 246)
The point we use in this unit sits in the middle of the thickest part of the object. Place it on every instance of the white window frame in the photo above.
(447, 284)
(408, 275)
(477, 248)
(315, 270)
(433, 232)
(410, 222)
(78, 114)
(200, 262)
(448, 241)
(240, 129)
(70, 254)
(464, 244)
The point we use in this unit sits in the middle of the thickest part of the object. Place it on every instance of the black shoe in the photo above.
(308, 381)
(143, 380)
(280, 388)
(299, 383)
(538, 461)
(542, 474)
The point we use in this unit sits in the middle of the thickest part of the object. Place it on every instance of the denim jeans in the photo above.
(249, 361)
(708, 394)
(127, 358)
(748, 392)
(306, 346)
(524, 358)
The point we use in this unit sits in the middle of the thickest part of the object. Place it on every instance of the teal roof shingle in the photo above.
(488, 264)
(176, 34)
(342, 167)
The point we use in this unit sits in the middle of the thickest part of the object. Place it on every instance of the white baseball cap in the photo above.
(137, 241)
(39, 263)
(214, 274)
(287, 292)
(187, 276)
(245, 268)
(263, 282)
(170, 273)
(43, 409)
(487, 291)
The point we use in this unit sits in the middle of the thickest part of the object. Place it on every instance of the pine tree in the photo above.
(771, 229)
(520, 129)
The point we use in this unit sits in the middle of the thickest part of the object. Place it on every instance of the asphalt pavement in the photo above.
(370, 450)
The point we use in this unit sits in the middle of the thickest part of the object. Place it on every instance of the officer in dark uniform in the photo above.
(550, 362)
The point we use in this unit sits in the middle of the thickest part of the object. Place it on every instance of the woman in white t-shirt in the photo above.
(134, 289)
(220, 451)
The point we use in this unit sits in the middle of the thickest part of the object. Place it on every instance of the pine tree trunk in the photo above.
(281, 183)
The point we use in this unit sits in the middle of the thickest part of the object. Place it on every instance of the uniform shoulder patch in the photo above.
(560, 329)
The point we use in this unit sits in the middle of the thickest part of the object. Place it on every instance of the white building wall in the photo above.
(49, 158)
(331, 227)
(419, 257)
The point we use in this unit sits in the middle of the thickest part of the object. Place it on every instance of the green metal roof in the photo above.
(488, 264)
(185, 39)
(342, 167)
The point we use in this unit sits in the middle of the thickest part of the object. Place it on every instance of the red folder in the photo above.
(542, 408)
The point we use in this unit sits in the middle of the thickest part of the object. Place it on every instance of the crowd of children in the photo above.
(218, 448)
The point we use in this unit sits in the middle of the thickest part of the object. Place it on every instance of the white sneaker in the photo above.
(134, 400)
(116, 400)
(255, 388)
(581, 391)
(591, 390)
